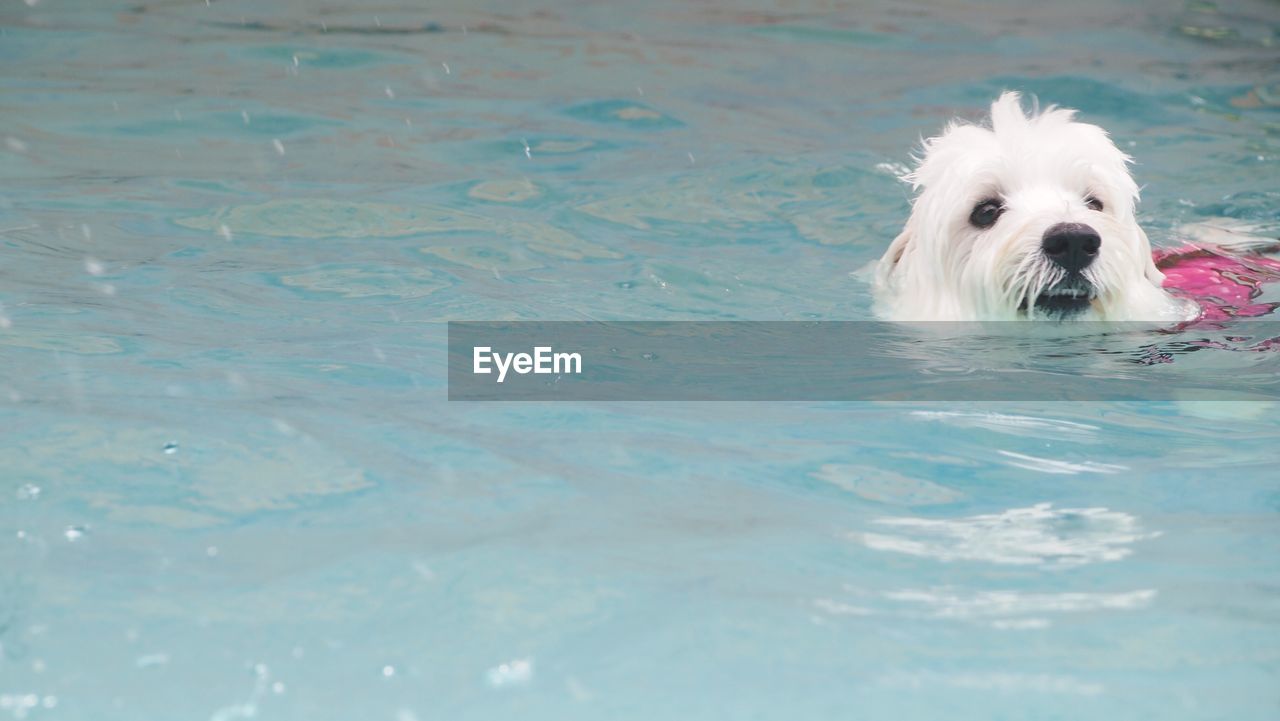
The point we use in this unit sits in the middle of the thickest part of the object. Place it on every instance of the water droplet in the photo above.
(388, 671)
(170, 448)
(516, 672)
(390, 93)
(28, 492)
(75, 533)
(279, 146)
(93, 266)
(15, 145)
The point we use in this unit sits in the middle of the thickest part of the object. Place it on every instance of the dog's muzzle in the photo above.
(1071, 247)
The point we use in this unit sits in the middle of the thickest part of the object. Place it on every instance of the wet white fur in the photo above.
(1044, 166)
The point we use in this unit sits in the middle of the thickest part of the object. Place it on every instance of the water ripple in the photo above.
(1039, 535)
(1048, 465)
(1014, 425)
(950, 603)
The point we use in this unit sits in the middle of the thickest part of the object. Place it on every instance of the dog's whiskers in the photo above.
(1031, 278)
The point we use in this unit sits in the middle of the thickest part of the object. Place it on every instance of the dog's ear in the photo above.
(889, 261)
(1152, 273)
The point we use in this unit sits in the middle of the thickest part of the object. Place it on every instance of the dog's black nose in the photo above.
(1071, 246)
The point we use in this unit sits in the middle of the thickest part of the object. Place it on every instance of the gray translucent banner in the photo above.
(861, 360)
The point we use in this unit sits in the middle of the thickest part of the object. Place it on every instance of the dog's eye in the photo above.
(986, 213)
(1093, 203)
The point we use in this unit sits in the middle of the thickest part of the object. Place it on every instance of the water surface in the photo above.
(232, 487)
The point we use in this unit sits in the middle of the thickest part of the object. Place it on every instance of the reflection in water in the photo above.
(1003, 609)
(1124, 357)
(950, 603)
(1015, 425)
(1039, 535)
(1049, 465)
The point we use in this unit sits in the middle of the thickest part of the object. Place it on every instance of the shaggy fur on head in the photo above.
(1040, 170)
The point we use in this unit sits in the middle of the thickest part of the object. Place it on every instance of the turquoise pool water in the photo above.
(230, 485)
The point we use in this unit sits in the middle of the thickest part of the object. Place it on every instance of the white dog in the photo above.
(1030, 218)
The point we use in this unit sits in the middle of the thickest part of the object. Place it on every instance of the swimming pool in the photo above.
(232, 486)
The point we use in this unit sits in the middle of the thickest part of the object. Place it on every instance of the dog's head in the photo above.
(1032, 217)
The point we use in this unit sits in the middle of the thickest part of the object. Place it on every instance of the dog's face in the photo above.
(1030, 218)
